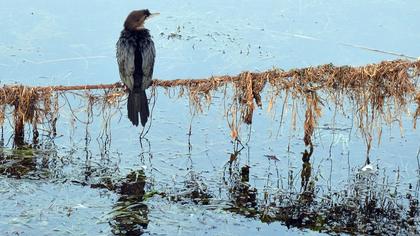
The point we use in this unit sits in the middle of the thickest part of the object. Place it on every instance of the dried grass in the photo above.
(370, 87)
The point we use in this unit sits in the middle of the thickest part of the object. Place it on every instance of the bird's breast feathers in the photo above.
(128, 45)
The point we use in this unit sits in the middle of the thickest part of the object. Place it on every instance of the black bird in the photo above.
(136, 58)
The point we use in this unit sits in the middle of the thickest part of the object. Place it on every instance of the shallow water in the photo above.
(193, 183)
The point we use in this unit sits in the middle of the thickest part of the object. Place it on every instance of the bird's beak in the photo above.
(154, 14)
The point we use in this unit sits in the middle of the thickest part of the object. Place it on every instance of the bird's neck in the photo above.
(140, 32)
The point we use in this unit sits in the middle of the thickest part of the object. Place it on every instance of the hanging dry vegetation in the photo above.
(370, 87)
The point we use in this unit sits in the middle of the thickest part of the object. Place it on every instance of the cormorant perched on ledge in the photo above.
(136, 58)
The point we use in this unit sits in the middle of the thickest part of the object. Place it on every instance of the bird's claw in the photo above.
(125, 87)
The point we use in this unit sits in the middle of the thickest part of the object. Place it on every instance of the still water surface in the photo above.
(68, 43)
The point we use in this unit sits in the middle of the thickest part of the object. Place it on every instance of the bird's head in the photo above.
(135, 20)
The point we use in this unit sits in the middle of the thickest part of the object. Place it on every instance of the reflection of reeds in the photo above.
(370, 87)
(366, 205)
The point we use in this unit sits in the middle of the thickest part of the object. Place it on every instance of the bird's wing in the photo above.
(148, 54)
(125, 57)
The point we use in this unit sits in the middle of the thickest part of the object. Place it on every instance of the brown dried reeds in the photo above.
(370, 87)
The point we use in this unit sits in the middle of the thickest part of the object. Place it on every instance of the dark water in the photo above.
(187, 176)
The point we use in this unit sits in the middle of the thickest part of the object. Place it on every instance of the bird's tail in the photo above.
(137, 103)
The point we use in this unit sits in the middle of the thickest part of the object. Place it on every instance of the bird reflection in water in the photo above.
(129, 215)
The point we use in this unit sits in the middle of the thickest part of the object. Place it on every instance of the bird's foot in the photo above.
(125, 87)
